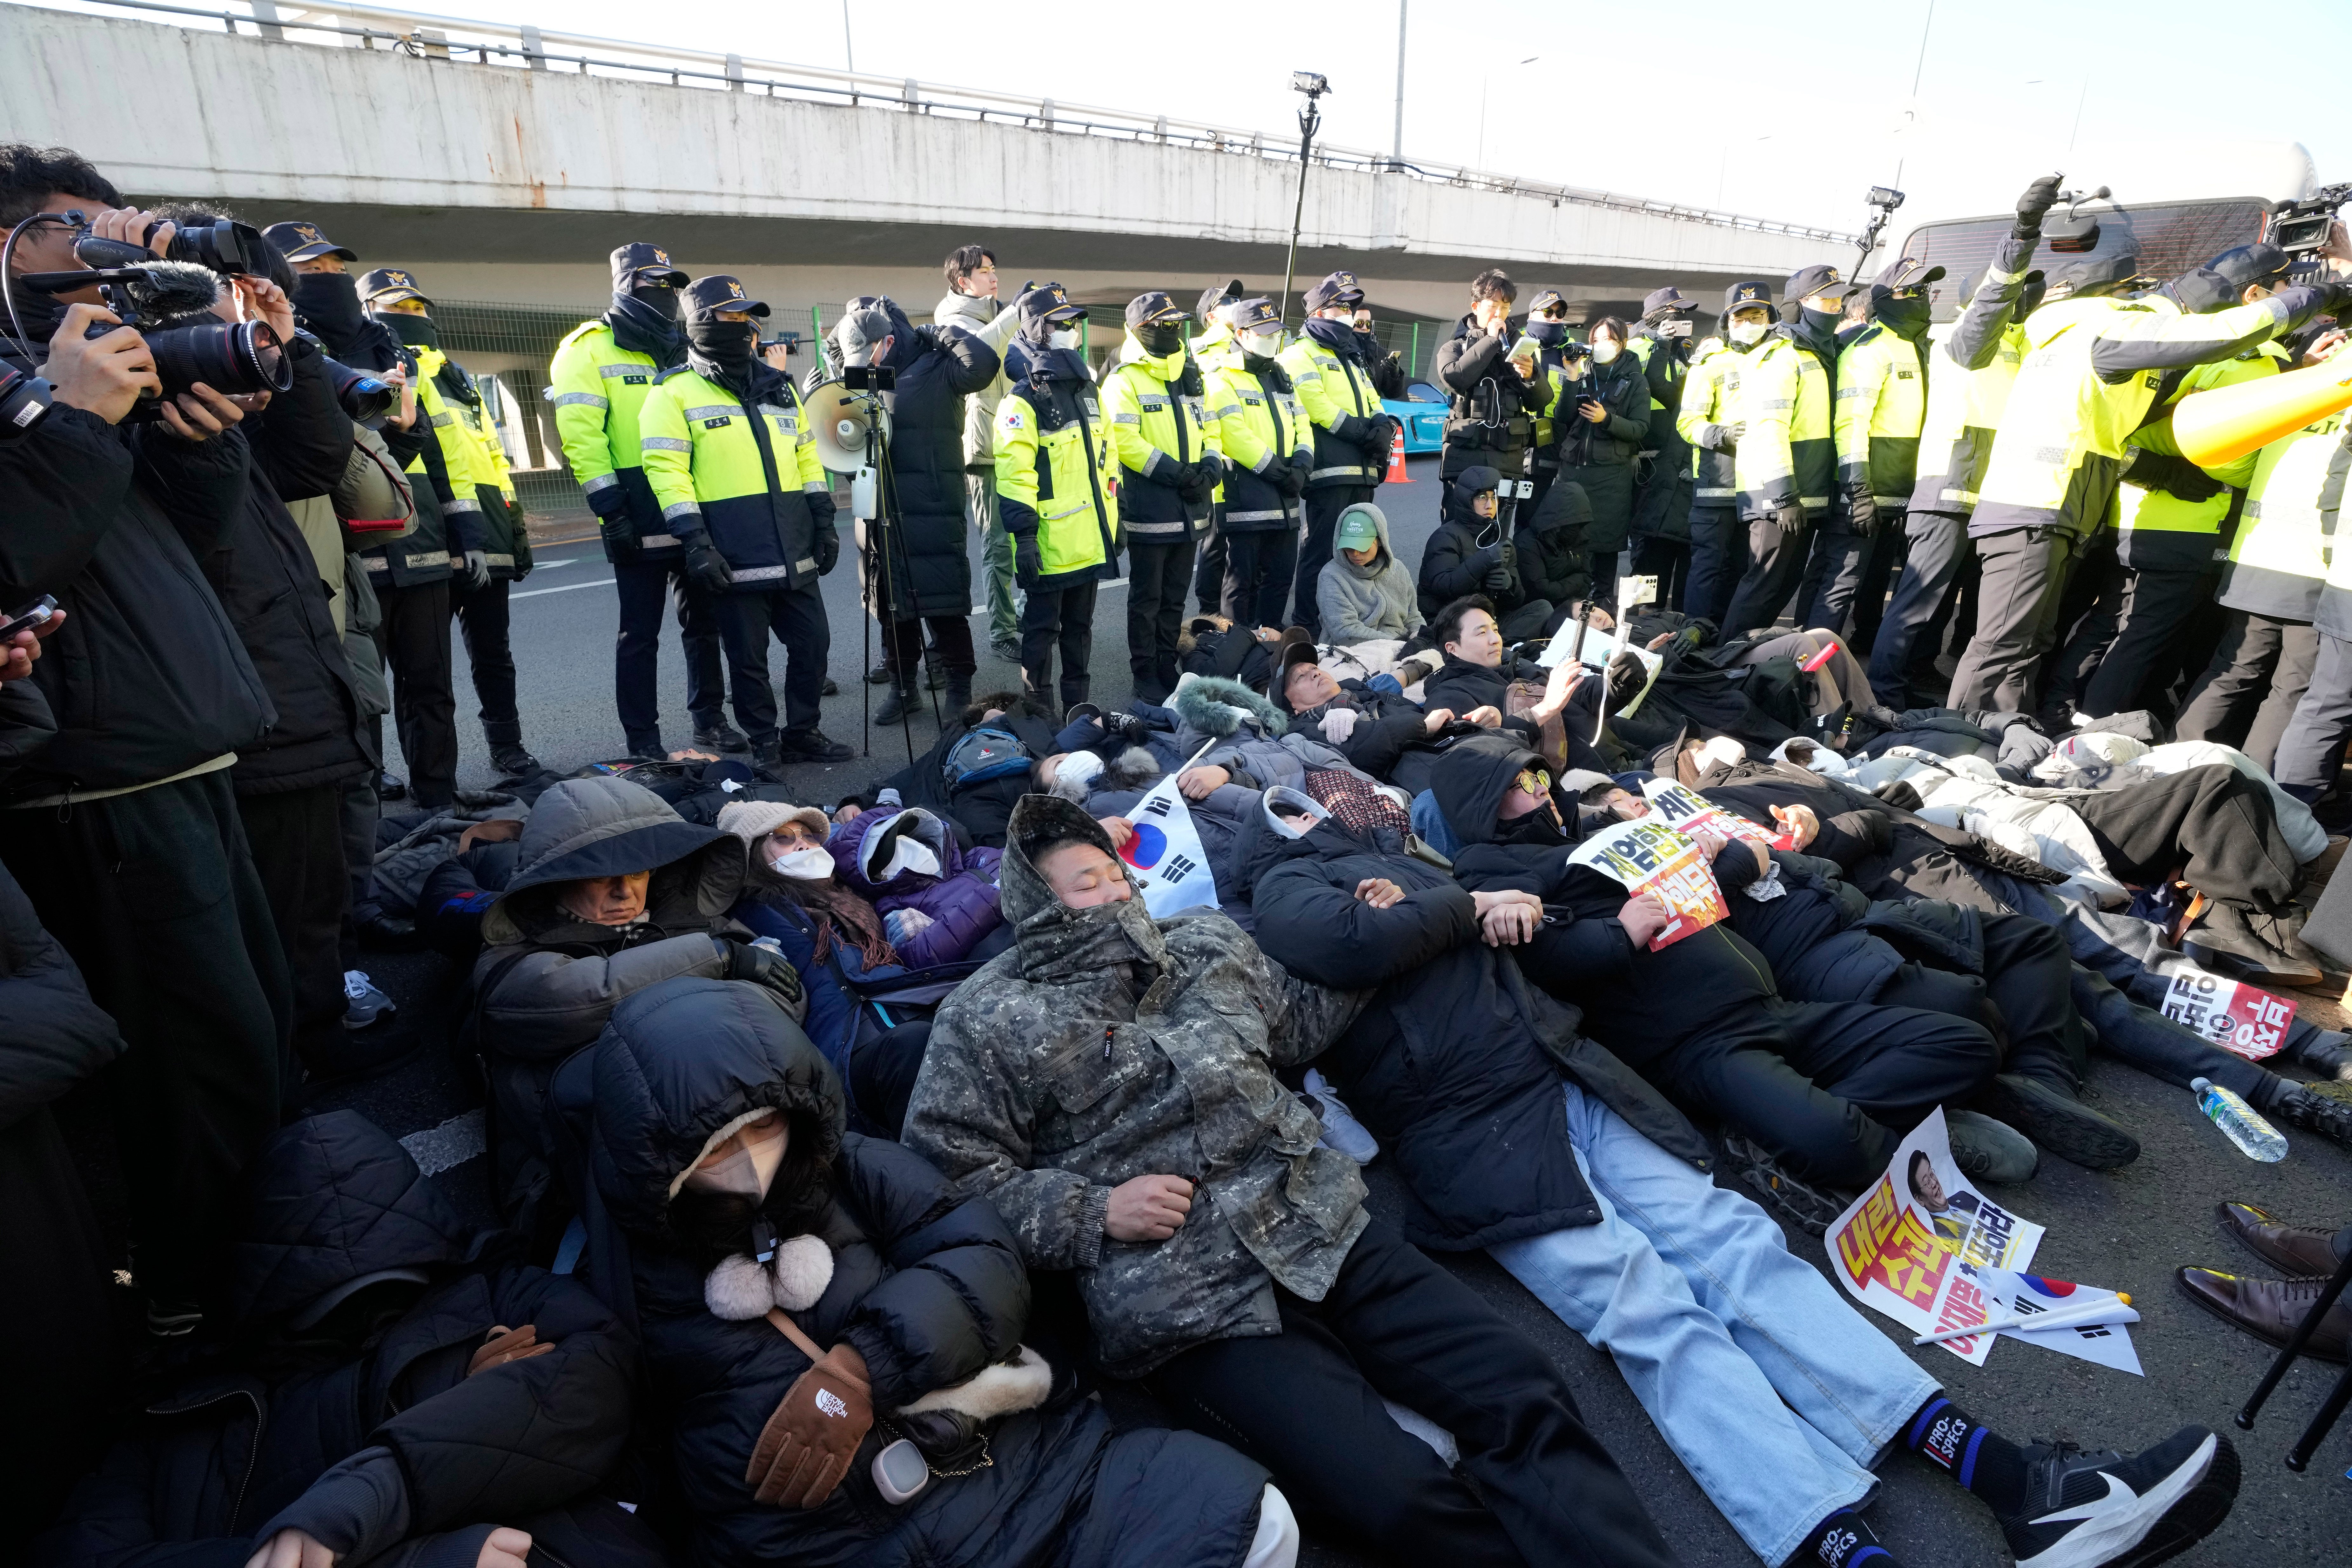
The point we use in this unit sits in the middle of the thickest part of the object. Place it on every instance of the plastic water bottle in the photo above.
(2255, 1137)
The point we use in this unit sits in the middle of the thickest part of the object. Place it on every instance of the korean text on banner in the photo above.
(1915, 1244)
(1648, 856)
(1683, 808)
(1163, 854)
(2236, 1017)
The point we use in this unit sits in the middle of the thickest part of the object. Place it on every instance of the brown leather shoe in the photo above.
(2297, 1250)
(2269, 1309)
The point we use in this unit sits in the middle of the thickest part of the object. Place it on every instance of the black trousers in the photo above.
(298, 852)
(1839, 578)
(2024, 574)
(2089, 613)
(1718, 556)
(1830, 1085)
(1158, 572)
(2155, 607)
(1884, 559)
(636, 653)
(796, 617)
(1935, 545)
(882, 1074)
(2212, 825)
(1259, 564)
(1667, 560)
(1306, 1405)
(1323, 508)
(2249, 692)
(1602, 564)
(1209, 572)
(358, 812)
(902, 644)
(2028, 977)
(482, 618)
(154, 895)
(414, 635)
(1776, 563)
(1059, 617)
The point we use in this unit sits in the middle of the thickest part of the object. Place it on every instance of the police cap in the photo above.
(389, 286)
(706, 296)
(1255, 316)
(2093, 275)
(639, 265)
(1808, 281)
(1545, 299)
(1153, 310)
(1907, 273)
(1339, 288)
(1742, 295)
(2246, 265)
(1659, 301)
(1213, 297)
(1048, 302)
(300, 240)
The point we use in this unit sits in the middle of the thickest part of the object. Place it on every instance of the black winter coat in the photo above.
(147, 678)
(1490, 408)
(931, 566)
(268, 579)
(364, 1427)
(1455, 561)
(1553, 545)
(56, 1036)
(928, 1288)
(1456, 1064)
(1390, 740)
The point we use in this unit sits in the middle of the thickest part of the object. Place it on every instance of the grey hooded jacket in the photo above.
(1107, 1045)
(1364, 603)
(993, 324)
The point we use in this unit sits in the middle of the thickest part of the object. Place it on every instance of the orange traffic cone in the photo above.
(2225, 424)
(1397, 476)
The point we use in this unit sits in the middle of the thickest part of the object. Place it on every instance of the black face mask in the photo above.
(1537, 827)
(1821, 324)
(1159, 342)
(662, 302)
(727, 345)
(1905, 318)
(1550, 334)
(416, 331)
(329, 304)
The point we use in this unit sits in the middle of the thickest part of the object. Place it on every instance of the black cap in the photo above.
(1213, 297)
(1820, 279)
(1906, 273)
(639, 263)
(1049, 303)
(2093, 274)
(1153, 310)
(706, 296)
(389, 286)
(1750, 292)
(1277, 685)
(1255, 316)
(2246, 265)
(300, 240)
(1658, 302)
(1339, 288)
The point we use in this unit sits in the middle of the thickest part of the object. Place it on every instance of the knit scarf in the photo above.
(833, 904)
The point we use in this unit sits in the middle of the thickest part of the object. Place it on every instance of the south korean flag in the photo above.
(1163, 854)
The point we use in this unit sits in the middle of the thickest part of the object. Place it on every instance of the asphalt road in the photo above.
(2125, 1230)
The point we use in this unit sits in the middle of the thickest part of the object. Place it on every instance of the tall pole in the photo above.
(1310, 120)
(1396, 151)
(848, 53)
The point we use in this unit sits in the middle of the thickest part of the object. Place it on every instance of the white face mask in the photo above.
(1747, 334)
(1265, 345)
(747, 1171)
(910, 854)
(1605, 351)
(808, 864)
(1062, 340)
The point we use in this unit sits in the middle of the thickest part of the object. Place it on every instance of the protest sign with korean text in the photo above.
(1648, 856)
(2234, 1016)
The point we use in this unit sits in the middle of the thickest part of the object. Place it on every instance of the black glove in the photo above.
(1380, 439)
(706, 565)
(1861, 512)
(1790, 517)
(620, 536)
(1290, 480)
(1028, 561)
(769, 970)
(2177, 477)
(1497, 581)
(2039, 198)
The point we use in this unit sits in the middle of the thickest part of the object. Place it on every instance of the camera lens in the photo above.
(233, 358)
(366, 398)
(225, 247)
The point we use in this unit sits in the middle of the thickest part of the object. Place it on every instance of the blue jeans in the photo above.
(1765, 1380)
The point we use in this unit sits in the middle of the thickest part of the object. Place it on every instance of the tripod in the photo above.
(873, 499)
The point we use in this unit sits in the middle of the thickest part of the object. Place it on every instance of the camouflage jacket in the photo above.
(1106, 1046)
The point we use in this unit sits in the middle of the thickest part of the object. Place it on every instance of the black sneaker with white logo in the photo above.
(2106, 1510)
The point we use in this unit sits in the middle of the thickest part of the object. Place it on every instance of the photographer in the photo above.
(1662, 514)
(1331, 371)
(926, 583)
(1488, 372)
(124, 830)
(1603, 418)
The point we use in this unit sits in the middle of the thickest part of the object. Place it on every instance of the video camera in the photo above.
(228, 247)
(2302, 228)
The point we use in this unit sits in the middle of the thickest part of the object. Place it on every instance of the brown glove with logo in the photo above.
(807, 1445)
(503, 1345)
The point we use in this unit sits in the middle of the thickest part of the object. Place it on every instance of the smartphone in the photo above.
(32, 617)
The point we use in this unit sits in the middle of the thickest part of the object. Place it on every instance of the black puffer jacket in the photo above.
(1457, 1063)
(268, 581)
(928, 1288)
(1462, 551)
(146, 679)
(1553, 545)
(938, 367)
(1490, 408)
(350, 1412)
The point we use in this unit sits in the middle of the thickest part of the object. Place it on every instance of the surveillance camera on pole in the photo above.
(1314, 84)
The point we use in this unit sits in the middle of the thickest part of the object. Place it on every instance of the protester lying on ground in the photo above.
(1609, 1216)
(1365, 593)
(613, 891)
(1826, 1090)
(1470, 553)
(1891, 853)
(1556, 711)
(937, 900)
(2270, 1310)
(1381, 731)
(810, 1297)
(1091, 1082)
(399, 1393)
(1253, 744)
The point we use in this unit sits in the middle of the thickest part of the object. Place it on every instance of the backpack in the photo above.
(982, 753)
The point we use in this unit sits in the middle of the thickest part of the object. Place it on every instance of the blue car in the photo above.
(1421, 412)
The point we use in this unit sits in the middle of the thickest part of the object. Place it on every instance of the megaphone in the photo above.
(839, 418)
(2225, 424)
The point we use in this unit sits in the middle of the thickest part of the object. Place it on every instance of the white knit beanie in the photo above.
(752, 820)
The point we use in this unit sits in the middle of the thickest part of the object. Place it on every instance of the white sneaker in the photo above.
(1341, 1130)
(363, 1003)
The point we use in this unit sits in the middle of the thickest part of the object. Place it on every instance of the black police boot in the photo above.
(390, 786)
(513, 762)
(721, 737)
(956, 698)
(832, 687)
(811, 746)
(896, 704)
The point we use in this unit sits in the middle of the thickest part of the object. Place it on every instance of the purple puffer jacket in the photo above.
(960, 899)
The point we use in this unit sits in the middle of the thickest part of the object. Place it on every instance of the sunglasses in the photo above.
(1533, 781)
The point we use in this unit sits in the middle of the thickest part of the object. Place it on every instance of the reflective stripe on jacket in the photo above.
(713, 466)
(1881, 403)
(1155, 429)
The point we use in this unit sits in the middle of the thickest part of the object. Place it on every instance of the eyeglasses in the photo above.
(1533, 781)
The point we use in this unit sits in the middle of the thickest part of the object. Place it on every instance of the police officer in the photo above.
(1546, 328)
(734, 468)
(414, 631)
(1268, 445)
(1664, 346)
(2093, 368)
(601, 373)
(1055, 492)
(1332, 371)
(1789, 390)
(1169, 472)
(1732, 476)
(481, 606)
(1880, 406)
(1210, 316)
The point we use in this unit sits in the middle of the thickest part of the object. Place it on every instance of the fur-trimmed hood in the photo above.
(1214, 706)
